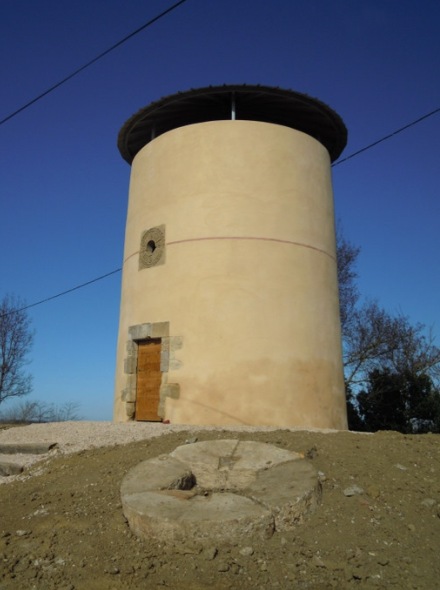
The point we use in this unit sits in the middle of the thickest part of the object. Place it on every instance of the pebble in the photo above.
(247, 551)
(210, 553)
(317, 561)
(401, 467)
(353, 491)
(312, 453)
(373, 491)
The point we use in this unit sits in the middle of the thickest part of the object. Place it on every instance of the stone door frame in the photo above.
(142, 333)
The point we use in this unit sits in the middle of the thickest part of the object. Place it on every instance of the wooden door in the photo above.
(148, 380)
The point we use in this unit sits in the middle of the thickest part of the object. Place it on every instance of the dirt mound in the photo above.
(378, 525)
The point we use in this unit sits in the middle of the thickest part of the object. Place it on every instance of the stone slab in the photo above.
(7, 468)
(161, 473)
(168, 518)
(230, 464)
(26, 448)
(219, 489)
(290, 490)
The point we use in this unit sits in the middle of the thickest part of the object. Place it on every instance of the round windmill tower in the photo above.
(229, 306)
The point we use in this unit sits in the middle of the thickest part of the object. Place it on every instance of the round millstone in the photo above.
(219, 489)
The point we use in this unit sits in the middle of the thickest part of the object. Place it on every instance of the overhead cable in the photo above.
(89, 63)
(63, 292)
(364, 149)
(335, 164)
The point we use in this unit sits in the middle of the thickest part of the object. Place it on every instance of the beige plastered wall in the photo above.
(249, 283)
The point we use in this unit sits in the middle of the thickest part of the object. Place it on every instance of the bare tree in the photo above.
(16, 338)
(66, 412)
(347, 255)
(375, 340)
(39, 411)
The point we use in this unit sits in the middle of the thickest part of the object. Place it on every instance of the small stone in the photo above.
(185, 549)
(312, 453)
(401, 467)
(223, 567)
(210, 553)
(373, 491)
(22, 533)
(336, 565)
(411, 528)
(317, 561)
(247, 551)
(428, 502)
(191, 441)
(357, 575)
(353, 491)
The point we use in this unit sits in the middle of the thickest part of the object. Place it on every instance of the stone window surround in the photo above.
(141, 333)
(152, 247)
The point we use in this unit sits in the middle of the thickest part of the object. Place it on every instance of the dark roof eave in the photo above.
(256, 103)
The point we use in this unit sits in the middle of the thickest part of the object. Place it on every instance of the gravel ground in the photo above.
(73, 437)
(378, 526)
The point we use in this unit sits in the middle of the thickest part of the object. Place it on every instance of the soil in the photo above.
(378, 525)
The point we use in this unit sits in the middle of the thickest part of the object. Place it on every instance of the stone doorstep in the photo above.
(219, 489)
(8, 468)
(26, 448)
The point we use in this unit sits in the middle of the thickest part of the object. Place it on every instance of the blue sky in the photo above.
(63, 184)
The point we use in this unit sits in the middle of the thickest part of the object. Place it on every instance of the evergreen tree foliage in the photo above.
(391, 366)
(405, 402)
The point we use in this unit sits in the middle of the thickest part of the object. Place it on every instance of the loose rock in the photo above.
(353, 490)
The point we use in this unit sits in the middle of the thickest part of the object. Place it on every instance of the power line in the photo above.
(63, 292)
(106, 52)
(92, 61)
(150, 22)
(364, 149)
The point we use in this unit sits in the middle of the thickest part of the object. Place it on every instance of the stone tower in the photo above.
(229, 306)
